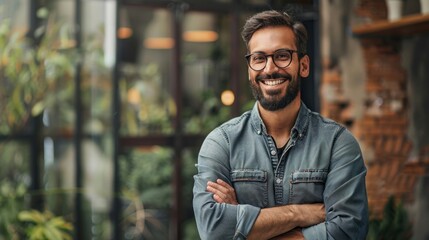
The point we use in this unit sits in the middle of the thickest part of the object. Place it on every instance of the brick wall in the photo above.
(382, 131)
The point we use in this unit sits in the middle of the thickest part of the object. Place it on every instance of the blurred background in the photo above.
(105, 103)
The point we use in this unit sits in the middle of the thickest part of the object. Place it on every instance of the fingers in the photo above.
(219, 191)
(226, 186)
(222, 192)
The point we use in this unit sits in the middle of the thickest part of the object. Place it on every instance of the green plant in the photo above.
(147, 172)
(45, 226)
(209, 113)
(11, 202)
(32, 224)
(393, 226)
(13, 186)
(31, 72)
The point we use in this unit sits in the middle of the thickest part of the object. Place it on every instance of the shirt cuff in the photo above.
(315, 232)
(246, 217)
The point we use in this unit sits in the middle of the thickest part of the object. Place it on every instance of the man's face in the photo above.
(276, 87)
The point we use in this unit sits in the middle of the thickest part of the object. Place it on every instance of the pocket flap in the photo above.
(251, 175)
(309, 175)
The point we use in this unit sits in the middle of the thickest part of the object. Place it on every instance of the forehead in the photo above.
(269, 39)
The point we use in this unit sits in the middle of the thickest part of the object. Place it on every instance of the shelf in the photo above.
(408, 25)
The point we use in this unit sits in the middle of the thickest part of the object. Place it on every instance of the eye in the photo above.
(282, 56)
(258, 58)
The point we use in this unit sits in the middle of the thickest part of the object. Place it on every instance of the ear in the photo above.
(304, 69)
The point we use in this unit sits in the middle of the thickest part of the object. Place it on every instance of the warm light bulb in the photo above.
(124, 32)
(133, 96)
(200, 36)
(227, 97)
(159, 43)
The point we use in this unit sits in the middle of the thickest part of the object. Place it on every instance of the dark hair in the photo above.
(274, 18)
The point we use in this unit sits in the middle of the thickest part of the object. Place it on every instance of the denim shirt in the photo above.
(322, 163)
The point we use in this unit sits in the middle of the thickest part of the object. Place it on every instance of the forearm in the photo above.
(220, 221)
(272, 222)
(294, 234)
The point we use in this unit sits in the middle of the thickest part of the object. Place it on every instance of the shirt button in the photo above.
(273, 152)
(278, 180)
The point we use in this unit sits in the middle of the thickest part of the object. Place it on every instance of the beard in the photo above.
(274, 100)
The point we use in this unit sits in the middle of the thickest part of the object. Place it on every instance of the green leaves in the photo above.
(29, 72)
(44, 226)
(393, 226)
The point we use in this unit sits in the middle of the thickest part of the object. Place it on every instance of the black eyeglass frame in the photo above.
(290, 51)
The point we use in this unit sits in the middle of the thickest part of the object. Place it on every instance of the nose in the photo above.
(270, 67)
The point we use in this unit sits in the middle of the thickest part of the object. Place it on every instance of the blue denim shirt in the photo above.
(322, 163)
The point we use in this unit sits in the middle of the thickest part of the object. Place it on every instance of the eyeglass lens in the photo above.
(258, 61)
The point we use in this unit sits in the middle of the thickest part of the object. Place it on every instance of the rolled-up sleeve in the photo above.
(215, 220)
(345, 195)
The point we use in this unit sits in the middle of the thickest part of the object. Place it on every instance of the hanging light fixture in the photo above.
(199, 27)
(124, 31)
(158, 31)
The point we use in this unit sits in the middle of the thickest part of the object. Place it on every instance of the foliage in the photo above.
(209, 114)
(148, 108)
(14, 182)
(44, 226)
(146, 187)
(13, 186)
(393, 226)
(34, 225)
(30, 70)
(11, 202)
(148, 172)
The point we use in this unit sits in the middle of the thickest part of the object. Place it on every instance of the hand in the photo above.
(294, 234)
(222, 192)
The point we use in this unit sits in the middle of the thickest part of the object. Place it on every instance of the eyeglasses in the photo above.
(281, 58)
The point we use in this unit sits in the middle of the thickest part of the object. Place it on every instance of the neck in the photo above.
(279, 123)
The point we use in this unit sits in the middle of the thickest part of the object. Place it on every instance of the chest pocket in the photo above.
(307, 186)
(250, 186)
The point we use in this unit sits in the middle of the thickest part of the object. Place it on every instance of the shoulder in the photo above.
(330, 129)
(326, 125)
(231, 127)
(342, 137)
(219, 139)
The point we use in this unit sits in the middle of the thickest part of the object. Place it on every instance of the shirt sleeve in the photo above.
(215, 220)
(345, 195)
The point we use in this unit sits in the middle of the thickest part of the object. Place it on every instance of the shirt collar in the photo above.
(299, 128)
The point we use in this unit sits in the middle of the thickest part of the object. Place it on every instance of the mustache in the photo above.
(273, 76)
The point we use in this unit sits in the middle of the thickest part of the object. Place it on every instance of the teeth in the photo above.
(273, 82)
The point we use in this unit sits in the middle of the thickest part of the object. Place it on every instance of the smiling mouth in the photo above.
(273, 82)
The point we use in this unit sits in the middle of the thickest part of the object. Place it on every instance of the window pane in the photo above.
(59, 55)
(190, 156)
(15, 77)
(206, 70)
(17, 12)
(15, 182)
(146, 192)
(146, 45)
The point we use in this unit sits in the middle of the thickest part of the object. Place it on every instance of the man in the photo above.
(279, 171)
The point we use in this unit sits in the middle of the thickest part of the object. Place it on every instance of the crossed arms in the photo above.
(222, 217)
(283, 222)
